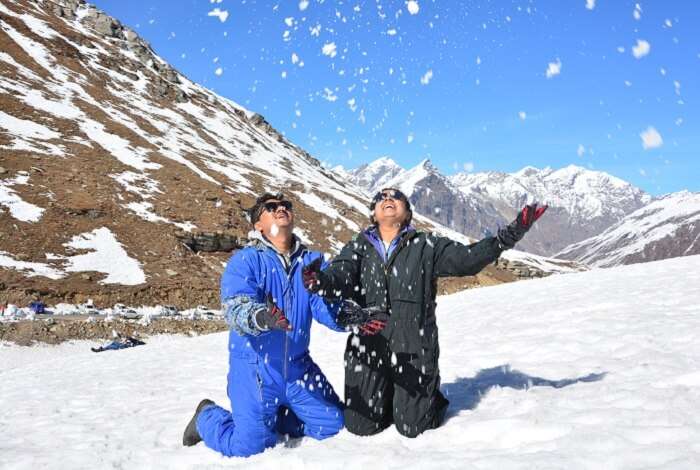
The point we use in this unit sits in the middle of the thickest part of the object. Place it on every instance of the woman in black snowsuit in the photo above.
(393, 376)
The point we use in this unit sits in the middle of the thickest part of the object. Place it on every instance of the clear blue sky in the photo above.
(462, 82)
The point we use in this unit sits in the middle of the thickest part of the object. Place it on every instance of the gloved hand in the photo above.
(272, 317)
(312, 276)
(369, 320)
(516, 230)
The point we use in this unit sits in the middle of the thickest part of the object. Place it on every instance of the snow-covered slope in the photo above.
(585, 195)
(582, 202)
(583, 371)
(665, 228)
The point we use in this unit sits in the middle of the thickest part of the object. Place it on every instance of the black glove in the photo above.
(312, 276)
(370, 320)
(272, 317)
(512, 233)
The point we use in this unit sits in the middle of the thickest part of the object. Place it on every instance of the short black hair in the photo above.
(255, 211)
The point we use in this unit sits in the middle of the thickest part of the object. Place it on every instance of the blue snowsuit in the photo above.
(273, 384)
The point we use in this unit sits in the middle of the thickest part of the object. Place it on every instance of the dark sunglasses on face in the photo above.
(394, 194)
(272, 206)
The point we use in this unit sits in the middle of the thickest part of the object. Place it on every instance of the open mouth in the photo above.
(388, 205)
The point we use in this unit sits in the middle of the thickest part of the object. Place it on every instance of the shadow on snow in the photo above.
(466, 393)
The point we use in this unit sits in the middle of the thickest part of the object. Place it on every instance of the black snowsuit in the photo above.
(394, 376)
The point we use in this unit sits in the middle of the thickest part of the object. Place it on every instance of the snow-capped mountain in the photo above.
(582, 202)
(375, 175)
(123, 181)
(434, 196)
(668, 227)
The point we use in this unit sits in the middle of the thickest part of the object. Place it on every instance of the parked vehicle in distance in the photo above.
(130, 314)
(169, 310)
(205, 312)
(88, 308)
(10, 310)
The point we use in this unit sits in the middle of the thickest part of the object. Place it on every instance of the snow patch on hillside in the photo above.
(107, 256)
(18, 207)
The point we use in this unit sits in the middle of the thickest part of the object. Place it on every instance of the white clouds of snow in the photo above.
(553, 69)
(427, 76)
(219, 71)
(329, 49)
(221, 14)
(581, 150)
(590, 4)
(328, 95)
(641, 49)
(413, 7)
(303, 5)
(468, 166)
(522, 115)
(106, 256)
(651, 138)
(637, 13)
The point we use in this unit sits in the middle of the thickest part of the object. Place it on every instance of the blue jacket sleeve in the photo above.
(324, 310)
(241, 296)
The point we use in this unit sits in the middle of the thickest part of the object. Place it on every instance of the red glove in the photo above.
(272, 318)
(516, 230)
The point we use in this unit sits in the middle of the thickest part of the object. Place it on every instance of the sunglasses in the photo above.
(394, 194)
(272, 206)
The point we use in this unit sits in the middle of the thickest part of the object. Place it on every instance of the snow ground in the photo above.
(592, 370)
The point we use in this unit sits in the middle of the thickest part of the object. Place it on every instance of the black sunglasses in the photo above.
(272, 206)
(394, 194)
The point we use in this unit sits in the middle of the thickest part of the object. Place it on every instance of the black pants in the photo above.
(382, 387)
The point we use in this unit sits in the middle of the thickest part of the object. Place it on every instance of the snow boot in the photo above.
(191, 435)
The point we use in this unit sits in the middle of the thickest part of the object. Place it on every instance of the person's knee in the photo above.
(359, 425)
(328, 425)
(409, 430)
(246, 437)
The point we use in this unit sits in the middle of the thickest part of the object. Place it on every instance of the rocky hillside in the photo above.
(107, 151)
(582, 202)
(666, 228)
(123, 181)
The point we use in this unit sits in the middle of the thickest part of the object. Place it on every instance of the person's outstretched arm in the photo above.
(455, 259)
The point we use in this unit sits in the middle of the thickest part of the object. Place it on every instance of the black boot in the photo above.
(191, 436)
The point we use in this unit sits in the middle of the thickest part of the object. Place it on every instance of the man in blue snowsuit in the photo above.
(273, 384)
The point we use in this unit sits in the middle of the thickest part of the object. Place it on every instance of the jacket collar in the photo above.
(258, 241)
(372, 235)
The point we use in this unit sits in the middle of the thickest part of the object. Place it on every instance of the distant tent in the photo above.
(37, 306)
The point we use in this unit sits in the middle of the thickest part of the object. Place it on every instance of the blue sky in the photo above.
(472, 85)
